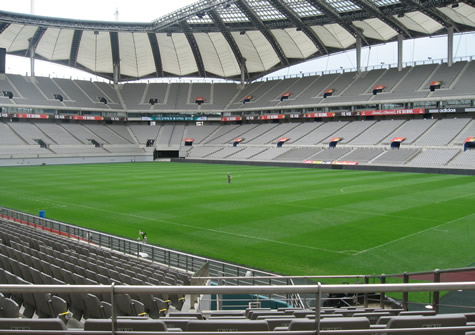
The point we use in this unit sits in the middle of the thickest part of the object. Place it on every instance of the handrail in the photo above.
(171, 258)
(228, 289)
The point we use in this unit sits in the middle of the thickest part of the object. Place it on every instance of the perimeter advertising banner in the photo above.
(30, 116)
(331, 162)
(314, 115)
(174, 118)
(231, 118)
(87, 118)
(392, 112)
(446, 110)
(272, 117)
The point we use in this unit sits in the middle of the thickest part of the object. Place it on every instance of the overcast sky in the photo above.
(421, 50)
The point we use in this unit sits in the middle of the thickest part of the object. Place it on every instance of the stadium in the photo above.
(188, 191)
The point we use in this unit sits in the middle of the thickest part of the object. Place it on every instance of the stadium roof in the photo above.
(218, 38)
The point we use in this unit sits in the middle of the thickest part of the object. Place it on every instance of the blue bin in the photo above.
(42, 214)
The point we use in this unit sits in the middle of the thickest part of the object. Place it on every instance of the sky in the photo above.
(420, 51)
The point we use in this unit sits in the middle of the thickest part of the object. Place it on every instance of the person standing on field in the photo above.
(229, 177)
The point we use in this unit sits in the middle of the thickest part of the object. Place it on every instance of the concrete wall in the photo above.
(336, 167)
(73, 160)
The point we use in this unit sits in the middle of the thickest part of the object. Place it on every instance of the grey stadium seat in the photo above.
(441, 320)
(227, 325)
(32, 324)
(8, 308)
(124, 325)
(343, 323)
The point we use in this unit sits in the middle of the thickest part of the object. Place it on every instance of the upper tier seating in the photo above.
(350, 88)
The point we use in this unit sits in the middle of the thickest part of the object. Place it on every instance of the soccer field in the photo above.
(286, 220)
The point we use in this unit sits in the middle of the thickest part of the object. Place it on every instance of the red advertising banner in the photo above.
(31, 116)
(398, 139)
(312, 115)
(87, 118)
(231, 118)
(272, 117)
(470, 139)
(392, 112)
(252, 117)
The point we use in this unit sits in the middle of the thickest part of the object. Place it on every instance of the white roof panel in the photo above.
(257, 50)
(463, 14)
(334, 35)
(218, 57)
(15, 37)
(376, 29)
(55, 44)
(295, 44)
(136, 58)
(176, 54)
(420, 22)
(95, 52)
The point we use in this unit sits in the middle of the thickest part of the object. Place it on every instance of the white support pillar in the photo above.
(32, 57)
(358, 54)
(399, 52)
(116, 73)
(243, 72)
(450, 46)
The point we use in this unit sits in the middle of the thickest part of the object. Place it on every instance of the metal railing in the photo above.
(318, 290)
(170, 258)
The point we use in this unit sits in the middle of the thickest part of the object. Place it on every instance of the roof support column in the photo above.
(32, 58)
(399, 51)
(243, 72)
(450, 46)
(358, 54)
(116, 73)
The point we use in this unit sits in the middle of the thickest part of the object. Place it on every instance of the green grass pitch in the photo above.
(286, 220)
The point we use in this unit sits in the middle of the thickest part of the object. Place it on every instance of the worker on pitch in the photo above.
(229, 177)
(143, 235)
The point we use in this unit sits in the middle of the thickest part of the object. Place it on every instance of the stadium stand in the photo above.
(396, 157)
(377, 132)
(411, 130)
(297, 154)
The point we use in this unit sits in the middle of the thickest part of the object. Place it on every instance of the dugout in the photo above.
(160, 154)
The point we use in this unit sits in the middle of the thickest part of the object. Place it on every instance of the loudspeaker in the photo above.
(3, 53)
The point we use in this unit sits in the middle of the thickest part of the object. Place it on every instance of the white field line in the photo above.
(179, 224)
(413, 234)
(362, 212)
